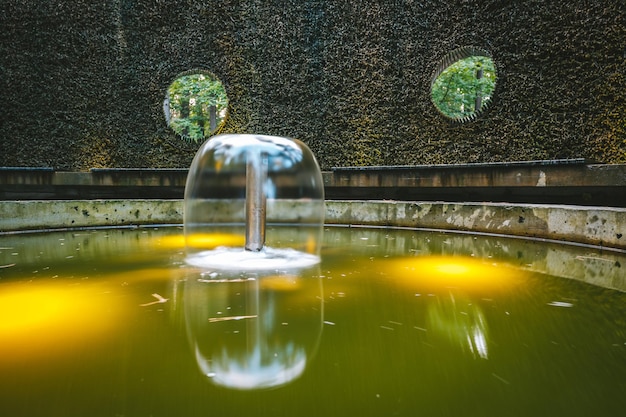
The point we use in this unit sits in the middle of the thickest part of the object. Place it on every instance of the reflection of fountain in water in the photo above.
(249, 310)
(253, 330)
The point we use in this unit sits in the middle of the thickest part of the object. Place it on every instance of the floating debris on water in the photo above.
(499, 378)
(229, 318)
(159, 300)
(560, 304)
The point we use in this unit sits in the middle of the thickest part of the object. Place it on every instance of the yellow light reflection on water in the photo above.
(40, 320)
(281, 283)
(147, 274)
(200, 241)
(454, 272)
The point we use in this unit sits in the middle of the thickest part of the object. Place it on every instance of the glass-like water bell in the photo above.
(253, 202)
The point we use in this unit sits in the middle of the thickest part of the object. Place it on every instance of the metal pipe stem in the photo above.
(256, 176)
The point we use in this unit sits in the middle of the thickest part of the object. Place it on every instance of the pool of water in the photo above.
(392, 322)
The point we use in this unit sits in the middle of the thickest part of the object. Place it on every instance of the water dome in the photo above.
(253, 202)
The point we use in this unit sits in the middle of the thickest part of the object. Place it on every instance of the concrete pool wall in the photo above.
(596, 226)
(600, 226)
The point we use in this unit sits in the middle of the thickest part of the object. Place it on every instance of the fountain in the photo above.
(251, 307)
(237, 186)
(254, 209)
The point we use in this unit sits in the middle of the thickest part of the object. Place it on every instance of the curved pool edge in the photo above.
(598, 226)
(593, 229)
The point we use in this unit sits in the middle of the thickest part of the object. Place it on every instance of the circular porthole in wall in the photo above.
(463, 83)
(195, 105)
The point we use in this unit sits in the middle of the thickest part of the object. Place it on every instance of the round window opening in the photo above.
(463, 84)
(195, 105)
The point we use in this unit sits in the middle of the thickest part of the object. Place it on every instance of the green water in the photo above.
(391, 323)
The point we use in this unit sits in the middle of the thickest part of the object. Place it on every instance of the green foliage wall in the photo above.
(82, 83)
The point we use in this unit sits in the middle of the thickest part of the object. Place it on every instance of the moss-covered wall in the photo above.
(82, 82)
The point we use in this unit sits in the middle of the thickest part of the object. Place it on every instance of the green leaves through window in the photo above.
(464, 83)
(195, 105)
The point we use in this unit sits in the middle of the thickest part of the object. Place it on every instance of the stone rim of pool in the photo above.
(565, 225)
(604, 227)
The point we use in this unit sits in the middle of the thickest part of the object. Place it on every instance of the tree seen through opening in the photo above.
(464, 88)
(195, 105)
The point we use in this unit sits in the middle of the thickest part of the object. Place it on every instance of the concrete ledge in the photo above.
(554, 173)
(601, 226)
(52, 214)
(532, 182)
(554, 182)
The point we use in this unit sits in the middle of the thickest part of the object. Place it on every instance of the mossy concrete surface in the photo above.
(53, 214)
(601, 226)
(82, 83)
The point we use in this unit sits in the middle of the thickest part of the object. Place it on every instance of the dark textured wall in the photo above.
(82, 82)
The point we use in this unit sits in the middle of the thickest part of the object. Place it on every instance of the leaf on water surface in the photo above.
(159, 298)
(560, 304)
